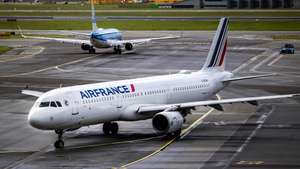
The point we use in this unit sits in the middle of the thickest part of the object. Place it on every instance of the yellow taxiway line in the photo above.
(182, 135)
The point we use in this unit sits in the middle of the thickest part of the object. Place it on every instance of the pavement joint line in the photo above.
(183, 134)
(113, 143)
(260, 122)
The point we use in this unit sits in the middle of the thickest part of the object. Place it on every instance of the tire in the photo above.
(106, 128)
(114, 128)
(59, 144)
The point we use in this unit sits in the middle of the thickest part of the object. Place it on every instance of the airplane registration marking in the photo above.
(182, 135)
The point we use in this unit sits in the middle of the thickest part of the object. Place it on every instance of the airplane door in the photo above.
(73, 105)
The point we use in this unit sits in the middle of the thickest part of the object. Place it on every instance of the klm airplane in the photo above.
(102, 38)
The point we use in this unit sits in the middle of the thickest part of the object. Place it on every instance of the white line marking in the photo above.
(247, 141)
(275, 60)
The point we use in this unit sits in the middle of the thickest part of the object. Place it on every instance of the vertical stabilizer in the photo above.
(217, 52)
(94, 22)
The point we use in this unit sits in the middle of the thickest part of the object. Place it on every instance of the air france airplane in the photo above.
(166, 99)
(102, 38)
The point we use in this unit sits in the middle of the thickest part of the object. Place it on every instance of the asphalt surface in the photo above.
(243, 136)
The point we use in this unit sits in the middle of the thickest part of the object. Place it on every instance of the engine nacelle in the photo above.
(128, 46)
(167, 122)
(85, 46)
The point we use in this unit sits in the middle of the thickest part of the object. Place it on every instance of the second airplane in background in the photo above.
(102, 38)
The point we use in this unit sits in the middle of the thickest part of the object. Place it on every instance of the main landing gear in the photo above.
(118, 49)
(59, 143)
(110, 128)
(92, 50)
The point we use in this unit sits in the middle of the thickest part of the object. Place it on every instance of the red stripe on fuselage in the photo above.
(132, 87)
(223, 54)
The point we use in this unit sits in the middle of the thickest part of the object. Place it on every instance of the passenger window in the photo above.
(58, 104)
(52, 104)
(44, 104)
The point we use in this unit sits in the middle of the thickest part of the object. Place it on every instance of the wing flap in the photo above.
(154, 108)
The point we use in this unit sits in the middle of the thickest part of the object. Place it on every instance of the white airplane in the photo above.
(102, 38)
(166, 99)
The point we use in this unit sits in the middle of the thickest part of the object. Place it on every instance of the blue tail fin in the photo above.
(94, 22)
(217, 52)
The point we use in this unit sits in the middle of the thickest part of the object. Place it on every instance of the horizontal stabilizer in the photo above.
(248, 77)
(32, 93)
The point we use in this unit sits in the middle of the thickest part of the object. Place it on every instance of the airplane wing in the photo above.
(138, 41)
(247, 77)
(212, 103)
(62, 40)
(32, 93)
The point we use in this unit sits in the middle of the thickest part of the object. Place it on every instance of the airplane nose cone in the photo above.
(37, 121)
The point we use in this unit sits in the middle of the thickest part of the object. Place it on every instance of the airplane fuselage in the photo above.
(100, 38)
(118, 101)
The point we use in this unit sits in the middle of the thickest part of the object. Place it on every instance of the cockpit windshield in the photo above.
(51, 104)
(44, 104)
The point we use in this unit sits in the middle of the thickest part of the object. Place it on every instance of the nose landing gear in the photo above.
(59, 143)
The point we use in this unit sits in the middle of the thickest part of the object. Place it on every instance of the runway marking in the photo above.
(40, 49)
(242, 147)
(51, 67)
(182, 135)
(264, 61)
(18, 164)
(275, 60)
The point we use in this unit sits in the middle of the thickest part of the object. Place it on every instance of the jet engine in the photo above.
(128, 46)
(85, 46)
(168, 122)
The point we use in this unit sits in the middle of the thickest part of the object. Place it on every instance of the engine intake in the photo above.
(128, 46)
(85, 46)
(167, 122)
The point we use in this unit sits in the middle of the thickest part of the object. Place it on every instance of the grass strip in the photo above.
(154, 25)
(286, 37)
(4, 49)
(156, 13)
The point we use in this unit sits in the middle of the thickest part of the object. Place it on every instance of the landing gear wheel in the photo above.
(92, 51)
(106, 128)
(114, 128)
(110, 128)
(59, 144)
(118, 49)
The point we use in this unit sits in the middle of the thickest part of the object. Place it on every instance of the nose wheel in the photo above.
(110, 128)
(59, 143)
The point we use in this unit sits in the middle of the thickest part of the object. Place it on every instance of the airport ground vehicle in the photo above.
(287, 49)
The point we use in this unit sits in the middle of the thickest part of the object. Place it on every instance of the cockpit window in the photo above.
(52, 104)
(44, 104)
(58, 104)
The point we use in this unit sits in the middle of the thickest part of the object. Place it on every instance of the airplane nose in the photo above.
(36, 120)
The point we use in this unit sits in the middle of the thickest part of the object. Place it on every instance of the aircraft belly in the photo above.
(97, 114)
(99, 44)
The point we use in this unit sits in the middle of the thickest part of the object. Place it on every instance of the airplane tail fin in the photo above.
(94, 22)
(217, 52)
